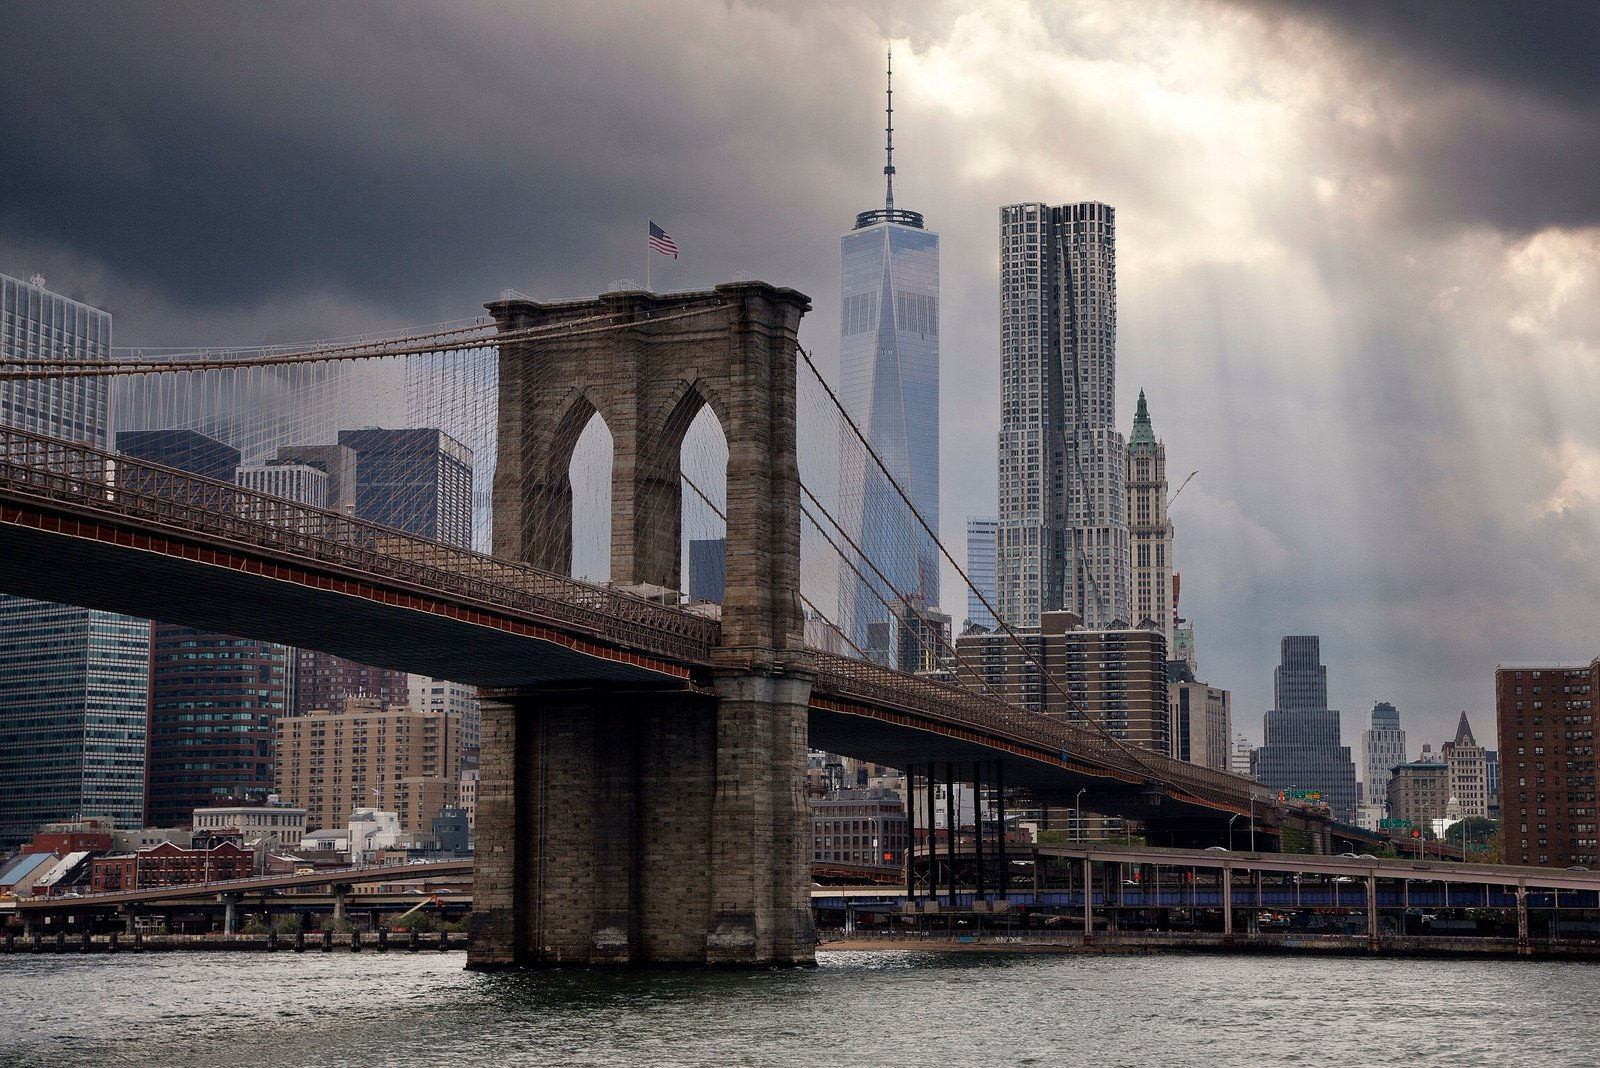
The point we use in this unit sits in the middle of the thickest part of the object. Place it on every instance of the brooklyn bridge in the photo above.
(642, 796)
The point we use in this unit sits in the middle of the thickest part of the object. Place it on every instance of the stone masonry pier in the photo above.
(636, 825)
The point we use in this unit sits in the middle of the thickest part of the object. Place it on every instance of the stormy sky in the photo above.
(1358, 247)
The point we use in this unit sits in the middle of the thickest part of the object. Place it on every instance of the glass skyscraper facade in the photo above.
(73, 681)
(1383, 748)
(980, 569)
(38, 324)
(215, 700)
(417, 480)
(1063, 541)
(889, 385)
(1302, 749)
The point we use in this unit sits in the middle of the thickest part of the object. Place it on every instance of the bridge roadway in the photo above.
(1324, 882)
(433, 869)
(1332, 882)
(89, 527)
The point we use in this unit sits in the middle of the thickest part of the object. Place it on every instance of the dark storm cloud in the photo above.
(1500, 103)
(226, 153)
(1327, 279)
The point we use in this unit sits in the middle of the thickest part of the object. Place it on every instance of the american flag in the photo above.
(661, 242)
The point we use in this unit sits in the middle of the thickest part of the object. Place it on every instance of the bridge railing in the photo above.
(79, 478)
(888, 688)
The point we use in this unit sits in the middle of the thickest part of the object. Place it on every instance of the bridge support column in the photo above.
(228, 903)
(1088, 900)
(1227, 903)
(950, 829)
(645, 827)
(911, 833)
(1372, 912)
(1522, 919)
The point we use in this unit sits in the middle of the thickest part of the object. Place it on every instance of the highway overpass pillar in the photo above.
(1227, 903)
(1088, 900)
(1522, 919)
(1372, 912)
(229, 901)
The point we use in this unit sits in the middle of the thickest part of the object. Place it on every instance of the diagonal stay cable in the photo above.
(803, 598)
(949, 648)
(1132, 752)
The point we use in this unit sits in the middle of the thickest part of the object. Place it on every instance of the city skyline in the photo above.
(1376, 357)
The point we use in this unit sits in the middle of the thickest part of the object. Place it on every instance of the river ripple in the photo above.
(881, 1008)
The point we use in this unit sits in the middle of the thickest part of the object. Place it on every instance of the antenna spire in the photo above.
(888, 130)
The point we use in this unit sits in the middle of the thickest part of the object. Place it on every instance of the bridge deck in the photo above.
(89, 527)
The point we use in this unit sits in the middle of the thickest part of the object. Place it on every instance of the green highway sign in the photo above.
(1394, 825)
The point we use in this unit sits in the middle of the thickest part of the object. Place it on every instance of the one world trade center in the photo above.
(889, 371)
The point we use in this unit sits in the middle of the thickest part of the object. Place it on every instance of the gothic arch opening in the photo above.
(589, 472)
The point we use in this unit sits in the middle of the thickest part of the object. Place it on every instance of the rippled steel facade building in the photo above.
(1063, 538)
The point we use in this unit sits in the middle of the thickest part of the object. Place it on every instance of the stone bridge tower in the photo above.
(631, 825)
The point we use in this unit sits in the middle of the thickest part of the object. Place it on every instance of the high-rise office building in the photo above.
(889, 385)
(418, 480)
(1469, 772)
(1063, 538)
(322, 681)
(323, 476)
(708, 569)
(438, 695)
(921, 637)
(297, 482)
(1242, 759)
(72, 681)
(1383, 748)
(1419, 791)
(1148, 525)
(337, 463)
(366, 755)
(1200, 718)
(189, 451)
(1116, 677)
(38, 324)
(1302, 749)
(980, 569)
(214, 698)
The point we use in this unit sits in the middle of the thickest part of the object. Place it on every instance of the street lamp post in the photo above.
(1231, 818)
(1077, 815)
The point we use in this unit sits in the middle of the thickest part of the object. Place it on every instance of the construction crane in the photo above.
(431, 899)
(1180, 488)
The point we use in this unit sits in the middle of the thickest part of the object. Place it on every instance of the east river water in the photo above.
(881, 1008)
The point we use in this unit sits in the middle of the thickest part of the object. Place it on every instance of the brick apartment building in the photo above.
(366, 755)
(859, 827)
(1547, 763)
(1116, 676)
(169, 865)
